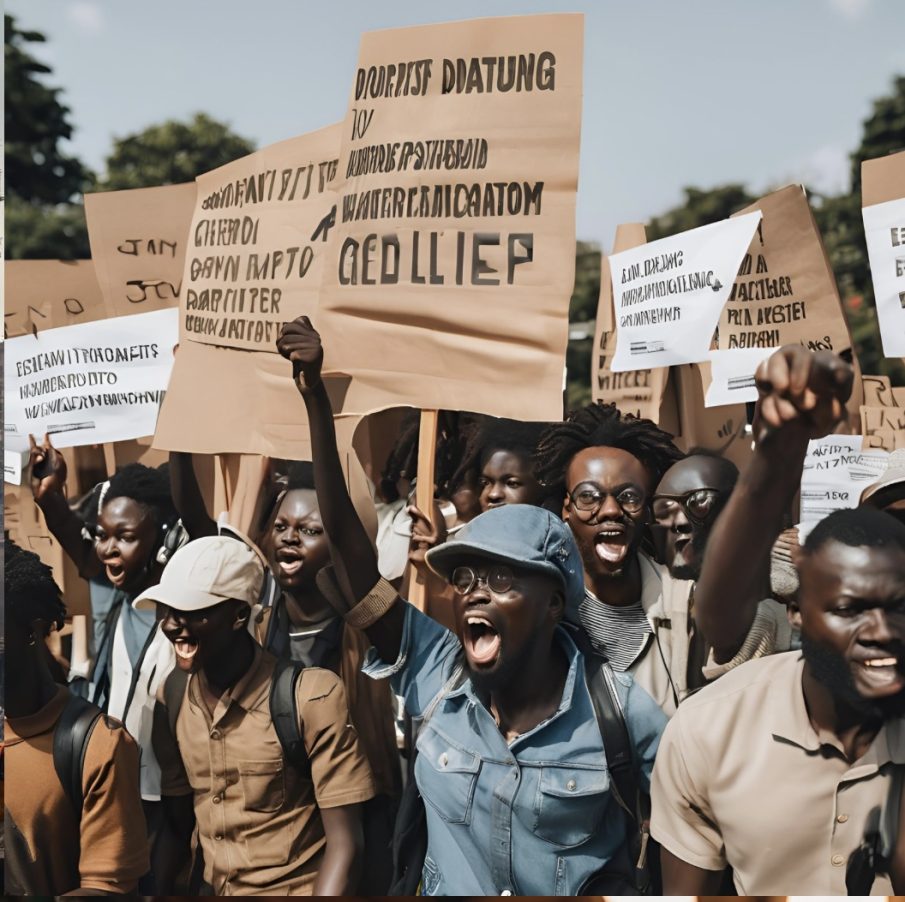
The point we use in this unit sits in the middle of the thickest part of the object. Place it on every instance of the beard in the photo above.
(834, 672)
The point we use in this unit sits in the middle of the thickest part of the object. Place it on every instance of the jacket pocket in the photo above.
(570, 803)
(262, 784)
(446, 776)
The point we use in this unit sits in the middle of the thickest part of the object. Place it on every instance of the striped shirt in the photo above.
(617, 631)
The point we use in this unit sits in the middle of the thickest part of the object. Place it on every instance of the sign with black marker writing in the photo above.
(668, 294)
(452, 264)
(256, 243)
(138, 243)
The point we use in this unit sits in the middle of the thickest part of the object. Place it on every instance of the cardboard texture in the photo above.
(452, 259)
(138, 243)
(257, 240)
(638, 392)
(883, 179)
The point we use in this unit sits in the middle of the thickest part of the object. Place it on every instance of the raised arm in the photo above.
(187, 496)
(48, 478)
(354, 557)
(802, 396)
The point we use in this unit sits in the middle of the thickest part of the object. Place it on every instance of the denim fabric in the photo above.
(532, 818)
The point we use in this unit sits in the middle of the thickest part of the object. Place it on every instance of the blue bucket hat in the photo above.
(522, 535)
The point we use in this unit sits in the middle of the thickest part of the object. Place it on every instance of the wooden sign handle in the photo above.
(424, 490)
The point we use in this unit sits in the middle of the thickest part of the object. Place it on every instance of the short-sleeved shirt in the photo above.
(51, 850)
(743, 778)
(258, 816)
(534, 816)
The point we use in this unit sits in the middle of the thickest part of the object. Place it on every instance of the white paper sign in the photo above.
(836, 472)
(668, 294)
(91, 383)
(732, 375)
(14, 462)
(884, 228)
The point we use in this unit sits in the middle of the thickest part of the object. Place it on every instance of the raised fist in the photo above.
(48, 469)
(300, 344)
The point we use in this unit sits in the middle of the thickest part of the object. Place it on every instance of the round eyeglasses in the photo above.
(589, 498)
(698, 505)
(499, 579)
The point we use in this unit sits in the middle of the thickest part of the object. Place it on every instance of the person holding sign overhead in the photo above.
(512, 764)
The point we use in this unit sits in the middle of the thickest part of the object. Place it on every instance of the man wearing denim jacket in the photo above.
(511, 762)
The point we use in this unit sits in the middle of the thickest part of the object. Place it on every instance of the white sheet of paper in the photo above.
(884, 228)
(836, 471)
(732, 375)
(668, 294)
(14, 462)
(91, 383)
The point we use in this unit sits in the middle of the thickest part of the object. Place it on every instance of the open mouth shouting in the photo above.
(186, 649)
(882, 672)
(611, 544)
(116, 573)
(289, 563)
(481, 640)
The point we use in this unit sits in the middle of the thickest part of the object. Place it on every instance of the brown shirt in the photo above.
(258, 819)
(107, 848)
(743, 778)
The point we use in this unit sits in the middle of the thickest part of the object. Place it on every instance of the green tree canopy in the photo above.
(700, 207)
(172, 152)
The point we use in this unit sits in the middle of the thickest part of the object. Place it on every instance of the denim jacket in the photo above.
(532, 817)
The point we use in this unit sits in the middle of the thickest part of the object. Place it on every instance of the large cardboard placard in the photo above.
(138, 243)
(668, 294)
(90, 383)
(449, 278)
(638, 392)
(883, 198)
(785, 291)
(255, 246)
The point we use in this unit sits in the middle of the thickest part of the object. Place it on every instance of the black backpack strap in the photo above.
(173, 694)
(70, 743)
(284, 713)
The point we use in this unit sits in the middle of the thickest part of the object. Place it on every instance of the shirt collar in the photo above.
(247, 691)
(42, 721)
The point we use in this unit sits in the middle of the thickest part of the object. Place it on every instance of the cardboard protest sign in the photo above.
(732, 375)
(668, 294)
(883, 198)
(785, 291)
(637, 392)
(837, 469)
(453, 254)
(878, 392)
(256, 243)
(45, 294)
(94, 382)
(138, 242)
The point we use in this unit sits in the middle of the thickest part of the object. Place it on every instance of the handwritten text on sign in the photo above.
(91, 383)
(884, 228)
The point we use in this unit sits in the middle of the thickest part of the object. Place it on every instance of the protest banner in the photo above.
(138, 243)
(668, 294)
(732, 375)
(639, 392)
(452, 260)
(878, 392)
(837, 469)
(883, 210)
(785, 291)
(46, 294)
(256, 243)
(89, 383)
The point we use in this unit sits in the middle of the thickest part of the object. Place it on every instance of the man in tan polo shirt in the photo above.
(265, 827)
(57, 844)
(787, 769)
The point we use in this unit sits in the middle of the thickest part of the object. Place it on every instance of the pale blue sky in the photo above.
(676, 92)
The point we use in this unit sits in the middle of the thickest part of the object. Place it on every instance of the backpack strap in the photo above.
(173, 695)
(284, 713)
(70, 744)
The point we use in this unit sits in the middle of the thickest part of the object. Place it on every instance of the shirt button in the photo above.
(218, 837)
(444, 760)
(215, 734)
(838, 860)
(571, 785)
(216, 800)
(506, 892)
(841, 819)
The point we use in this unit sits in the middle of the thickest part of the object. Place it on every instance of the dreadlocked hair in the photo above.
(601, 424)
(492, 434)
(149, 487)
(29, 588)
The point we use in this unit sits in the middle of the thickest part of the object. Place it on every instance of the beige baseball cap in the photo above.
(206, 572)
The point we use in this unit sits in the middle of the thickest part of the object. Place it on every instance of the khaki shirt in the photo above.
(742, 778)
(50, 850)
(258, 818)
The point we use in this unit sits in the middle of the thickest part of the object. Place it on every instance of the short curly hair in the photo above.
(149, 487)
(29, 588)
(604, 425)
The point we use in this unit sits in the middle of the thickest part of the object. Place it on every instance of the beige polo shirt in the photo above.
(742, 778)
(52, 850)
(258, 818)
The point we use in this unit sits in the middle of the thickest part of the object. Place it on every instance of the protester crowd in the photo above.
(622, 682)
